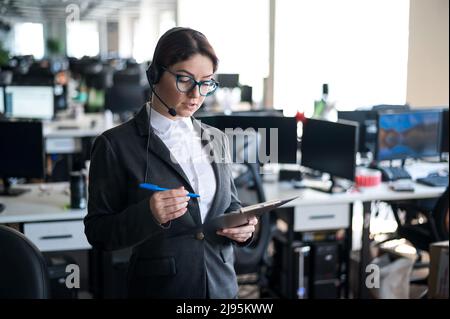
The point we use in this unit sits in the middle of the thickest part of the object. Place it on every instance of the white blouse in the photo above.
(184, 144)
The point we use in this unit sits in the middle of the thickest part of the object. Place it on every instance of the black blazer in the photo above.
(186, 260)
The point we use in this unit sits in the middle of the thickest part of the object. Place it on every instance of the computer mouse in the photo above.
(2, 207)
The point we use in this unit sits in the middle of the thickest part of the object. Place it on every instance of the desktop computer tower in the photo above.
(302, 273)
(290, 273)
(325, 261)
(57, 275)
(302, 270)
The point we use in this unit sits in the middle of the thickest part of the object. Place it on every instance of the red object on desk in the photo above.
(300, 117)
(367, 177)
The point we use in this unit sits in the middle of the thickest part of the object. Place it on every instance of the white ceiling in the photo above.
(41, 10)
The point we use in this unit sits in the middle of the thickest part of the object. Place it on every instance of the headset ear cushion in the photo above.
(152, 74)
(155, 75)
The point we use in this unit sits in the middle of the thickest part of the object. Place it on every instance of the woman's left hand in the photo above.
(241, 233)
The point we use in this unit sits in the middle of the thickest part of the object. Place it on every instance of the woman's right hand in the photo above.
(168, 205)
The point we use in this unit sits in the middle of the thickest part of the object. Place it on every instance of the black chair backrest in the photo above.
(23, 271)
(250, 259)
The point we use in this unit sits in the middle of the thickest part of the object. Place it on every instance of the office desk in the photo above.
(64, 136)
(314, 210)
(44, 218)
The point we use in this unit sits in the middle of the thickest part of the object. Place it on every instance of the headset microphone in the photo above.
(172, 111)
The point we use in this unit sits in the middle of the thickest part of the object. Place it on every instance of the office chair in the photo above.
(421, 235)
(253, 259)
(23, 271)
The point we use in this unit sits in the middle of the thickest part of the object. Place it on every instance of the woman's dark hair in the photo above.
(179, 44)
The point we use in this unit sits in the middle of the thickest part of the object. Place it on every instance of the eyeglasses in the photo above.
(186, 83)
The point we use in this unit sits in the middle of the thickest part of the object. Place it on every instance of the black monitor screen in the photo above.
(124, 98)
(444, 135)
(408, 135)
(330, 147)
(367, 127)
(21, 149)
(227, 80)
(285, 128)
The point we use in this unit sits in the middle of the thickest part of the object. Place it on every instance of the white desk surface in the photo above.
(37, 205)
(309, 197)
(82, 124)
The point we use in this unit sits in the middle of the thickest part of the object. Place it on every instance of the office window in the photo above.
(150, 25)
(358, 47)
(82, 39)
(166, 20)
(239, 32)
(142, 48)
(29, 39)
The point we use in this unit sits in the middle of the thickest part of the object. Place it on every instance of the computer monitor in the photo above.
(408, 135)
(227, 80)
(122, 99)
(95, 101)
(246, 94)
(391, 108)
(286, 143)
(330, 147)
(29, 102)
(367, 120)
(127, 77)
(33, 78)
(21, 152)
(444, 130)
(2, 100)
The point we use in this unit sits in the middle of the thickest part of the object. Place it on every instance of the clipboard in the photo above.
(241, 217)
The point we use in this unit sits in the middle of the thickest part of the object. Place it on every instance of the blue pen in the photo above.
(153, 187)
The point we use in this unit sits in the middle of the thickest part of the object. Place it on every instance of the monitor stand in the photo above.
(8, 191)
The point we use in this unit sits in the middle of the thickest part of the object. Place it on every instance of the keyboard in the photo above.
(67, 127)
(435, 181)
(394, 173)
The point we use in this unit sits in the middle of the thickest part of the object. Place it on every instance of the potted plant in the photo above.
(54, 47)
(4, 56)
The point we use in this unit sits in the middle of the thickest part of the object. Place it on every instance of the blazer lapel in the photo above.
(208, 141)
(158, 148)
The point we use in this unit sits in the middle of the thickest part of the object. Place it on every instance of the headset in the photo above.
(154, 71)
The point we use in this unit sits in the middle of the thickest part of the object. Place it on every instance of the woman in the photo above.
(175, 253)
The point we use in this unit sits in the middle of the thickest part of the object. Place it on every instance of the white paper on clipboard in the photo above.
(242, 216)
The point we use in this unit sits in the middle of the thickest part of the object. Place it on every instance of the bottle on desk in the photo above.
(324, 108)
(78, 190)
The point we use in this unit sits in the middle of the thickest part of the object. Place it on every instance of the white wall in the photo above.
(428, 61)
